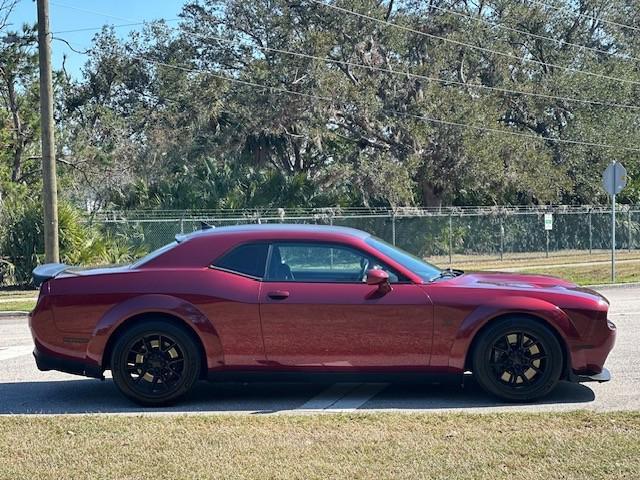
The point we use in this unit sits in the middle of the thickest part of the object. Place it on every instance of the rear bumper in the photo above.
(75, 367)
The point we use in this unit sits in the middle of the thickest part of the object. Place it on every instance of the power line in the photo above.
(403, 73)
(391, 112)
(424, 77)
(93, 12)
(421, 117)
(533, 35)
(122, 25)
(408, 29)
(133, 23)
(590, 17)
(474, 47)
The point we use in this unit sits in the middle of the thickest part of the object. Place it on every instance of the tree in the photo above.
(283, 102)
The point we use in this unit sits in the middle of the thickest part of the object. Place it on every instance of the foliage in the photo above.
(21, 240)
(157, 122)
(214, 113)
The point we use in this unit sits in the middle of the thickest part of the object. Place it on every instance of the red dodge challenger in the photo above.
(304, 302)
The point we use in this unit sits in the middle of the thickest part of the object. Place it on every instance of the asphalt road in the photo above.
(25, 390)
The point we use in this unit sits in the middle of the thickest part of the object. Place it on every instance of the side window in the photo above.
(247, 259)
(320, 263)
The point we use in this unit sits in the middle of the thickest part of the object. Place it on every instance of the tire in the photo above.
(155, 363)
(517, 359)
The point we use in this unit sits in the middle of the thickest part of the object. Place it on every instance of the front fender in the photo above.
(161, 304)
(553, 316)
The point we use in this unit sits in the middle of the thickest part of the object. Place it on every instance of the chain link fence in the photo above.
(448, 234)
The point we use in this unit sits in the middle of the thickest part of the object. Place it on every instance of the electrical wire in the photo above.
(391, 112)
(533, 35)
(474, 47)
(396, 72)
(590, 17)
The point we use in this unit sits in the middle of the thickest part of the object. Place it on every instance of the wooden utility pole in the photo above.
(49, 187)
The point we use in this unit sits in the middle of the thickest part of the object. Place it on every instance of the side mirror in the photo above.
(375, 276)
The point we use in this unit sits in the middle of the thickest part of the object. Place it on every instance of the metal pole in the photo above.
(613, 238)
(501, 239)
(450, 238)
(393, 228)
(49, 187)
(629, 230)
(590, 234)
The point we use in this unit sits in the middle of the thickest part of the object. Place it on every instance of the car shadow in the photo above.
(470, 395)
(94, 396)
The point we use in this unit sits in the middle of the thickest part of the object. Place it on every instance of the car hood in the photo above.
(514, 280)
(523, 282)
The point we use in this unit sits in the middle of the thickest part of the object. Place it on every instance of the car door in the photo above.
(317, 312)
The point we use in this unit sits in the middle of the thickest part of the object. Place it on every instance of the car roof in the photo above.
(255, 230)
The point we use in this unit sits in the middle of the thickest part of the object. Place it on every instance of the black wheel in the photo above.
(517, 359)
(155, 363)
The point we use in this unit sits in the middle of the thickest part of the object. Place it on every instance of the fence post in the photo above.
(501, 239)
(629, 230)
(450, 237)
(182, 226)
(590, 233)
(393, 227)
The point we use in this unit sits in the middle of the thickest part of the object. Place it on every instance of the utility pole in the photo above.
(49, 187)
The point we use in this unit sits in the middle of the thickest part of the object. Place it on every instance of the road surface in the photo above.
(25, 390)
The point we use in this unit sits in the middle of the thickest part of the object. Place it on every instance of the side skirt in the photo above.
(333, 377)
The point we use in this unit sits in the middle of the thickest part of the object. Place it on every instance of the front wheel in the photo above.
(517, 359)
(155, 363)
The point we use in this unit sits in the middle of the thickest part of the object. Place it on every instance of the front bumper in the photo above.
(75, 367)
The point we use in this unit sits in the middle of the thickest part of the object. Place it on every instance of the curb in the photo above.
(5, 315)
(614, 285)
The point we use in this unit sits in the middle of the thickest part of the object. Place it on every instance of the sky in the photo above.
(67, 15)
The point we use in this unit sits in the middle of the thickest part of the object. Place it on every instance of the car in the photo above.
(304, 302)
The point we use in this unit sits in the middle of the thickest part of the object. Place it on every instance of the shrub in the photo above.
(22, 240)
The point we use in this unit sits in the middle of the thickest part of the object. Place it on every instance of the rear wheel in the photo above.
(155, 363)
(517, 359)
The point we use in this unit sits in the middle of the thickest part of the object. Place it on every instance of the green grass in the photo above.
(18, 293)
(579, 445)
(564, 265)
(594, 274)
(17, 300)
(17, 306)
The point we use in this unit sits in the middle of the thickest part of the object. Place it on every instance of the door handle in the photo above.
(278, 294)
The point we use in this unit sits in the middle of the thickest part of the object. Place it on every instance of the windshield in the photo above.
(154, 254)
(425, 270)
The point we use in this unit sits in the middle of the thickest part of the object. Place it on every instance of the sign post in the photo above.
(548, 226)
(614, 179)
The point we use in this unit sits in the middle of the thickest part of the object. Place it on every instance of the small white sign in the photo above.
(548, 221)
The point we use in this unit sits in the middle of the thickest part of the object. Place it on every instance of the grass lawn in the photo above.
(17, 300)
(17, 306)
(594, 274)
(570, 265)
(579, 445)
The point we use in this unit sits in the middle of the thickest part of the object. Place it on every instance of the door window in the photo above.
(321, 263)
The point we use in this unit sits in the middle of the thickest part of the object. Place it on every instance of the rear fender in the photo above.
(551, 314)
(163, 304)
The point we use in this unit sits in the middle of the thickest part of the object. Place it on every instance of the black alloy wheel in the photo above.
(517, 359)
(155, 363)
